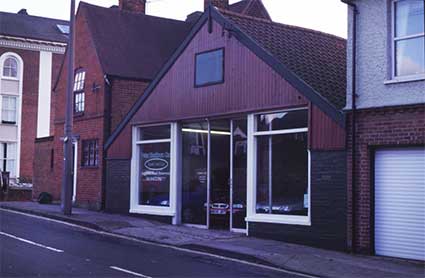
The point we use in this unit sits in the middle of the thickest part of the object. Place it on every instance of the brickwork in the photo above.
(385, 127)
(124, 95)
(103, 107)
(135, 6)
(44, 170)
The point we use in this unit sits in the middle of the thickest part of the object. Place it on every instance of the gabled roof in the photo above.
(259, 39)
(32, 27)
(317, 58)
(253, 8)
(132, 45)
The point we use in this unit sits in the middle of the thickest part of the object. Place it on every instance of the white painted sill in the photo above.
(397, 80)
(152, 210)
(280, 219)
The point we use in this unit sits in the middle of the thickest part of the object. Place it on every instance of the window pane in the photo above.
(410, 56)
(154, 133)
(282, 174)
(194, 172)
(154, 179)
(409, 17)
(10, 67)
(282, 120)
(209, 67)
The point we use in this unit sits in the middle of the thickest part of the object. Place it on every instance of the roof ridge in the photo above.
(36, 16)
(271, 22)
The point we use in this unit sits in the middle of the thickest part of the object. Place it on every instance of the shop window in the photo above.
(280, 164)
(154, 165)
(209, 68)
(90, 156)
(8, 158)
(10, 68)
(79, 96)
(9, 109)
(408, 38)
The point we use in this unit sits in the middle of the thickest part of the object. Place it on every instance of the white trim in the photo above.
(155, 141)
(281, 131)
(44, 94)
(403, 78)
(35, 45)
(134, 180)
(19, 106)
(252, 215)
(279, 111)
(280, 219)
(74, 178)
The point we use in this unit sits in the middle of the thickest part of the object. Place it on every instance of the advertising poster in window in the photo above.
(155, 174)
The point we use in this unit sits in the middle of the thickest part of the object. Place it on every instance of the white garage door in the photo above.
(400, 203)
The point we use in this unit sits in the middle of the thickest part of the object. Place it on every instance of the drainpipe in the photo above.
(353, 122)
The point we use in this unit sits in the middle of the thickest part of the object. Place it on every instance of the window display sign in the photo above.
(154, 186)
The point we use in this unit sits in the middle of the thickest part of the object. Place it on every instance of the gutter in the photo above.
(353, 122)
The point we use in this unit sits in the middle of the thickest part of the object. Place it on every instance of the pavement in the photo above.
(298, 258)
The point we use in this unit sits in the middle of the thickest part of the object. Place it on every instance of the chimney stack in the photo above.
(221, 4)
(135, 6)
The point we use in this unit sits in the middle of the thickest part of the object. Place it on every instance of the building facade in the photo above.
(31, 52)
(241, 130)
(386, 200)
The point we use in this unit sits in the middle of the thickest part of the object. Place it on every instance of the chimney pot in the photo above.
(135, 6)
(221, 4)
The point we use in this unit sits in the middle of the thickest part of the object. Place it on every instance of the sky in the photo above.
(328, 16)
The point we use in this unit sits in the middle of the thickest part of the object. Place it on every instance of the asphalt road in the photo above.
(38, 247)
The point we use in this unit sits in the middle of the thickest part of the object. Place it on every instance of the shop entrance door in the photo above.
(214, 174)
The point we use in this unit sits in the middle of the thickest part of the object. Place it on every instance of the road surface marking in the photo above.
(273, 268)
(129, 272)
(32, 242)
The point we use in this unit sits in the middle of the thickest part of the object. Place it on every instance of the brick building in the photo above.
(118, 51)
(386, 201)
(31, 52)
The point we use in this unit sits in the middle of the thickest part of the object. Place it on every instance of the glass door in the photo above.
(214, 174)
(194, 173)
(219, 212)
(238, 165)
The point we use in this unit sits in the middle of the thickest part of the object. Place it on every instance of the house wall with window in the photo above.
(88, 124)
(149, 163)
(26, 75)
(389, 124)
(386, 76)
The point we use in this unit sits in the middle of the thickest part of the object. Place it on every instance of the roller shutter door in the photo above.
(400, 203)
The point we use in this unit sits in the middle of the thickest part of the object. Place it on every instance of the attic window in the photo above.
(64, 29)
(209, 68)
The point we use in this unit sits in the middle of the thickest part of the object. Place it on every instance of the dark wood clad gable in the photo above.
(249, 84)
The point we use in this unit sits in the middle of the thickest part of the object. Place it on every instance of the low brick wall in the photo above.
(16, 194)
(44, 170)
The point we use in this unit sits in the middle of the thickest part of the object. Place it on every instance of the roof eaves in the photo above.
(133, 110)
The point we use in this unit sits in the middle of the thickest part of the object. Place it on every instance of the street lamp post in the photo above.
(67, 177)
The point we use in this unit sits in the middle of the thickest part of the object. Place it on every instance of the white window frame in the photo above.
(17, 77)
(16, 109)
(394, 40)
(171, 210)
(8, 158)
(252, 215)
(21, 66)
